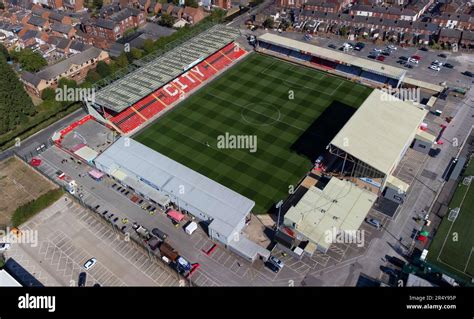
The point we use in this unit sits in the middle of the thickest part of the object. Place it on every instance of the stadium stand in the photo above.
(165, 96)
(144, 93)
(351, 70)
(324, 64)
(374, 77)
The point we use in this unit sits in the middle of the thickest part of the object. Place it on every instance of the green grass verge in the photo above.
(277, 102)
(452, 247)
(28, 210)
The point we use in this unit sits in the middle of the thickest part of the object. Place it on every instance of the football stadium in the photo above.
(221, 132)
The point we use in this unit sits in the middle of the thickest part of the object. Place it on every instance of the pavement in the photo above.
(68, 235)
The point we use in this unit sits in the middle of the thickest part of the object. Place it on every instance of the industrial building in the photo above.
(338, 209)
(164, 181)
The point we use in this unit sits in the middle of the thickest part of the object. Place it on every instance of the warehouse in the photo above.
(164, 180)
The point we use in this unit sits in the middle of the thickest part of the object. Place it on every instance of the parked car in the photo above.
(4, 246)
(403, 58)
(272, 267)
(377, 50)
(411, 60)
(158, 233)
(469, 74)
(424, 49)
(409, 66)
(90, 263)
(332, 46)
(416, 57)
(396, 261)
(82, 279)
(276, 261)
(449, 66)
(442, 55)
(435, 67)
(359, 46)
(380, 58)
(386, 53)
(389, 271)
(374, 222)
(392, 47)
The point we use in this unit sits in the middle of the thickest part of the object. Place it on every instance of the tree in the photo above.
(97, 4)
(343, 31)
(191, 3)
(148, 46)
(93, 76)
(166, 20)
(4, 52)
(29, 60)
(136, 53)
(15, 104)
(48, 94)
(268, 23)
(122, 61)
(103, 69)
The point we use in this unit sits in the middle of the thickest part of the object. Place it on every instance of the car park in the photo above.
(90, 263)
(82, 279)
(272, 267)
(374, 222)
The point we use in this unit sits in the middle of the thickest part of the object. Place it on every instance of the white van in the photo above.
(190, 228)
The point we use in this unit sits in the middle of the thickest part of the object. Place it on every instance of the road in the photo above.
(32, 142)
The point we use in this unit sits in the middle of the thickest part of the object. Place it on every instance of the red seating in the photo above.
(149, 106)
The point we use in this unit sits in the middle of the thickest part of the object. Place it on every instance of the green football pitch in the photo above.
(453, 246)
(292, 112)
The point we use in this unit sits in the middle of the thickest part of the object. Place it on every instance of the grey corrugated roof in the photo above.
(195, 192)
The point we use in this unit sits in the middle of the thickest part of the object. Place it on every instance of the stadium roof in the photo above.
(340, 206)
(134, 86)
(380, 130)
(423, 84)
(192, 191)
(365, 64)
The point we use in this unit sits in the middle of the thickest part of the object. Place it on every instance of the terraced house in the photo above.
(75, 68)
